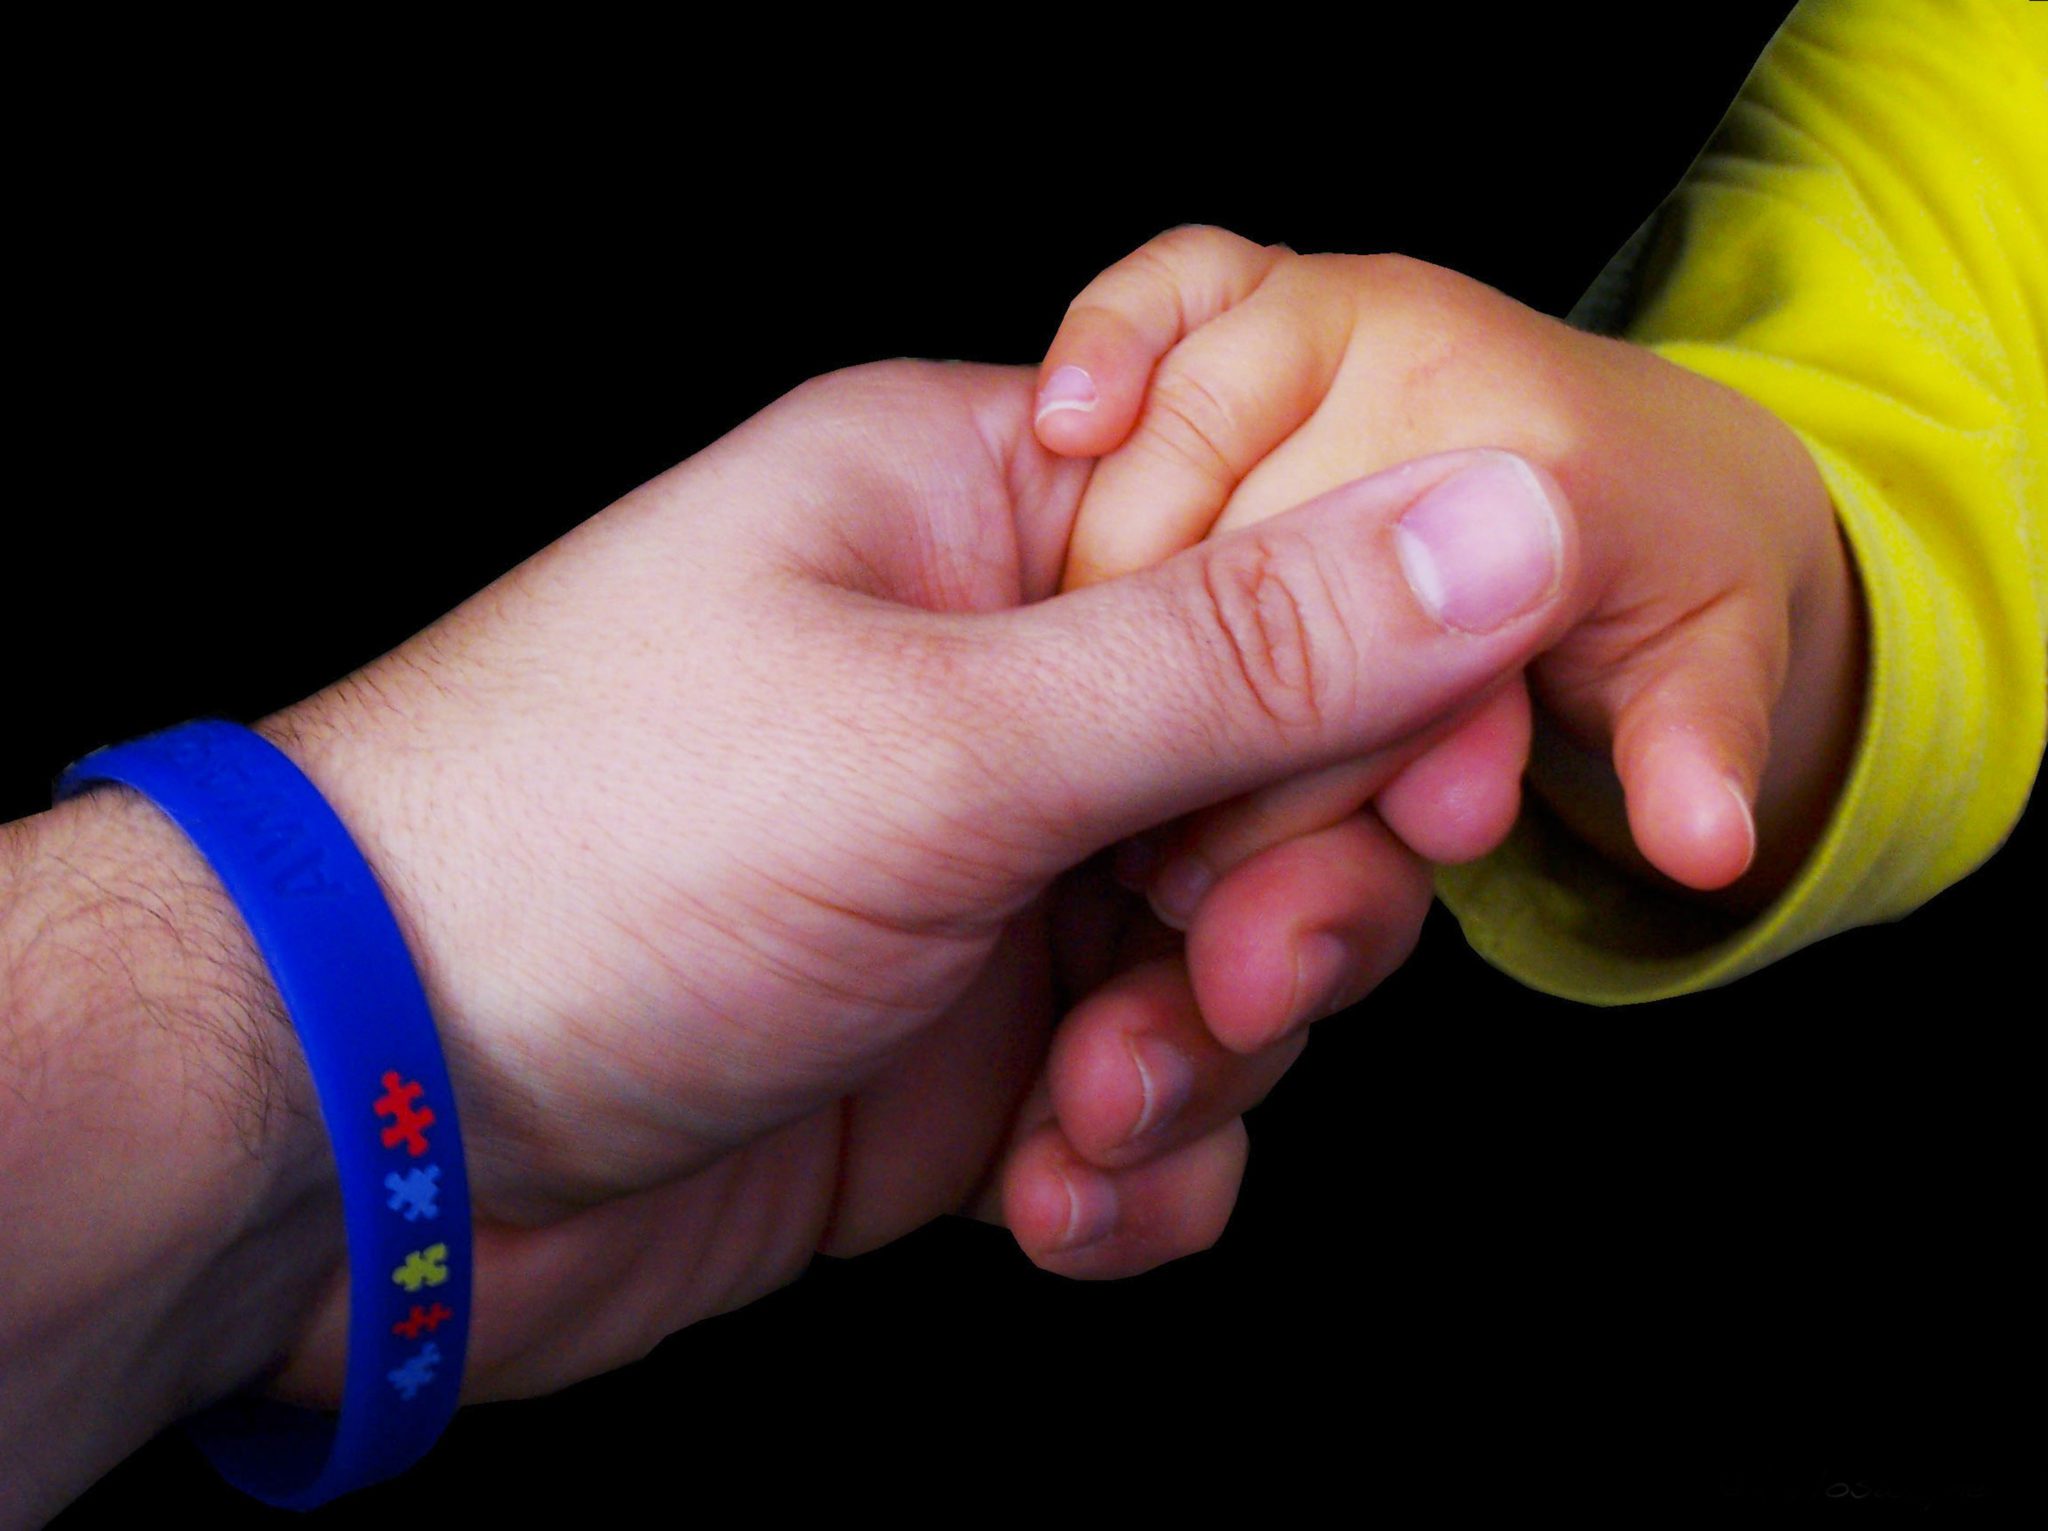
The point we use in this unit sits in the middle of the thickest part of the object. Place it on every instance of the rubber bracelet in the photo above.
(350, 988)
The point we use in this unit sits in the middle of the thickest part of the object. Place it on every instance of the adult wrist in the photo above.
(168, 1210)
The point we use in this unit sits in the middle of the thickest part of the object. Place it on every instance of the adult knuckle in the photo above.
(1281, 633)
(869, 384)
(955, 757)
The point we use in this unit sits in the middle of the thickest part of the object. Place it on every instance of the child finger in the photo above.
(1209, 844)
(1092, 381)
(1691, 741)
(1074, 1219)
(1460, 799)
(1223, 399)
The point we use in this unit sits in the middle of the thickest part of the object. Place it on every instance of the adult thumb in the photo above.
(1324, 634)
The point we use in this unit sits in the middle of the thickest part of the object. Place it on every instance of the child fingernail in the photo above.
(1069, 388)
(1324, 972)
(1748, 822)
(1177, 889)
(1483, 546)
(1166, 1078)
(1091, 1207)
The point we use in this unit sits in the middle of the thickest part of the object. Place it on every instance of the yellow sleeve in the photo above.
(1862, 248)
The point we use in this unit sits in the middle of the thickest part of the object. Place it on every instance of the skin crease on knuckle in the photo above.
(1194, 251)
(1282, 633)
(1188, 421)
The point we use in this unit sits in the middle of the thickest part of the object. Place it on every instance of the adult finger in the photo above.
(1304, 930)
(1450, 794)
(1075, 1219)
(1134, 1073)
(1458, 801)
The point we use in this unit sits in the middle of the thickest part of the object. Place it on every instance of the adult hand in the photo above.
(723, 829)
(736, 838)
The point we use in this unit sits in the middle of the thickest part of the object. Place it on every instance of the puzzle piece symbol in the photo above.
(418, 1370)
(413, 1192)
(408, 1124)
(420, 1318)
(423, 1267)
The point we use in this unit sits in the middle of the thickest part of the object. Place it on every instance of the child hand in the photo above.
(1699, 715)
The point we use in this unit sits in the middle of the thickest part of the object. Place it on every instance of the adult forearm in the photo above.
(167, 1211)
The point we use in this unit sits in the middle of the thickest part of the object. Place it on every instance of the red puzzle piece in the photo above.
(420, 1318)
(408, 1125)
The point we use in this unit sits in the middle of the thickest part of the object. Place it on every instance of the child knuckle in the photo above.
(1200, 240)
(1195, 425)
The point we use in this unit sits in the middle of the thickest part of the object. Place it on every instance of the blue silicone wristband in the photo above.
(349, 986)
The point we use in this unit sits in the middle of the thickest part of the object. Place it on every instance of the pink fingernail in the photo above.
(1179, 888)
(1748, 821)
(1091, 1207)
(1483, 546)
(1323, 976)
(1166, 1076)
(1068, 388)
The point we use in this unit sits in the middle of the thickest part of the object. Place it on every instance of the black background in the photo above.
(308, 360)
